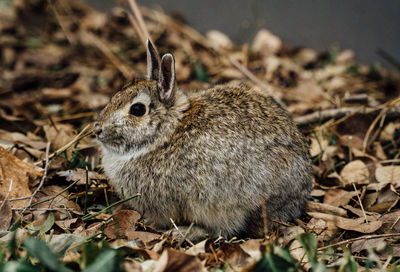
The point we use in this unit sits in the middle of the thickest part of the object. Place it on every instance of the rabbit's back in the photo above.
(232, 150)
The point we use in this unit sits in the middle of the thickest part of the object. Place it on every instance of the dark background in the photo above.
(360, 25)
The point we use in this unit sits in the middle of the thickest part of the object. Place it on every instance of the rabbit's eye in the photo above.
(137, 109)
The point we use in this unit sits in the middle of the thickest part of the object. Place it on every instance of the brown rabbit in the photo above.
(212, 157)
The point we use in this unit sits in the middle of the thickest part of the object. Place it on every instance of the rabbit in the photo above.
(211, 157)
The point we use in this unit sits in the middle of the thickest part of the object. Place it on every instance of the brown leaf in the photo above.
(219, 40)
(266, 43)
(355, 172)
(172, 260)
(325, 208)
(61, 201)
(349, 224)
(61, 136)
(317, 225)
(144, 236)
(79, 175)
(197, 248)
(253, 248)
(338, 197)
(387, 198)
(5, 214)
(391, 222)
(16, 137)
(12, 168)
(233, 254)
(388, 174)
(123, 222)
(365, 244)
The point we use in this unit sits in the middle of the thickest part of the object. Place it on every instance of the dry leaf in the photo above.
(218, 39)
(59, 136)
(349, 224)
(173, 260)
(5, 214)
(266, 43)
(123, 223)
(338, 197)
(388, 174)
(12, 168)
(391, 222)
(79, 175)
(197, 248)
(365, 244)
(233, 254)
(325, 208)
(355, 172)
(144, 236)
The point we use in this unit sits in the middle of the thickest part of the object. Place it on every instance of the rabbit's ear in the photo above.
(167, 77)
(153, 62)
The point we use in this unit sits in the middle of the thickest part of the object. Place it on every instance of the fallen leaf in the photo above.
(5, 214)
(12, 168)
(391, 222)
(197, 248)
(325, 208)
(60, 135)
(358, 224)
(219, 40)
(338, 197)
(173, 260)
(80, 175)
(123, 224)
(233, 254)
(144, 236)
(388, 174)
(266, 43)
(317, 225)
(253, 248)
(365, 244)
(355, 172)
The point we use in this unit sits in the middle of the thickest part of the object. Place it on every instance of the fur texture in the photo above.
(211, 157)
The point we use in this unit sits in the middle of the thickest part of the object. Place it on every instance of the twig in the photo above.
(188, 231)
(366, 237)
(199, 38)
(322, 116)
(46, 167)
(361, 205)
(19, 198)
(8, 194)
(86, 240)
(90, 216)
(253, 78)
(137, 28)
(265, 219)
(395, 222)
(389, 58)
(61, 23)
(125, 70)
(138, 15)
(385, 108)
(44, 209)
(53, 197)
(77, 138)
(183, 236)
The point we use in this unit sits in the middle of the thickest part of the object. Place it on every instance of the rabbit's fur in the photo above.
(212, 157)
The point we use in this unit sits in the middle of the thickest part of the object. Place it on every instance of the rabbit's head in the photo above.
(145, 111)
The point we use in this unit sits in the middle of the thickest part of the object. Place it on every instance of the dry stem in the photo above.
(46, 167)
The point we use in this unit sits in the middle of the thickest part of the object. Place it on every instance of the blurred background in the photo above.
(365, 26)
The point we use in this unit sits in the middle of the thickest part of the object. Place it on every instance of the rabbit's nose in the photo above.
(97, 128)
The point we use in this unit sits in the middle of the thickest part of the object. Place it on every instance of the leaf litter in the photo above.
(60, 61)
